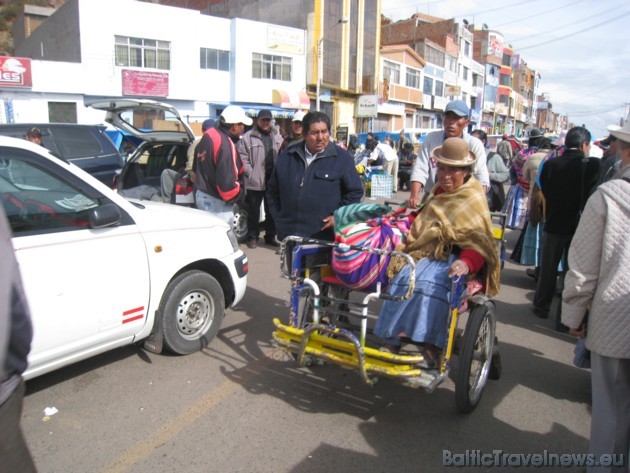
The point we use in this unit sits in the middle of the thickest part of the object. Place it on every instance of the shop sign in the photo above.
(15, 72)
(367, 106)
(144, 83)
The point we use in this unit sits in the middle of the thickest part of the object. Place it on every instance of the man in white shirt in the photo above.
(423, 173)
(389, 159)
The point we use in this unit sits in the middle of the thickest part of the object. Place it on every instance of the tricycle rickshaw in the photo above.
(330, 323)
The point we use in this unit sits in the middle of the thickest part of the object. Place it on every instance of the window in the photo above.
(413, 78)
(466, 49)
(214, 59)
(464, 73)
(35, 199)
(62, 112)
(428, 86)
(266, 66)
(451, 63)
(139, 52)
(439, 88)
(391, 71)
(434, 56)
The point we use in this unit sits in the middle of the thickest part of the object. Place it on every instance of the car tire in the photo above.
(192, 309)
(239, 224)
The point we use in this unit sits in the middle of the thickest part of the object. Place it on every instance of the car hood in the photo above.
(145, 119)
(161, 216)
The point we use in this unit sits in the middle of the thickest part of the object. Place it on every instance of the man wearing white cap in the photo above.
(296, 130)
(218, 166)
(610, 163)
(424, 171)
(598, 280)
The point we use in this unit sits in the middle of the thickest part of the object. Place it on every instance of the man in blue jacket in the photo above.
(310, 181)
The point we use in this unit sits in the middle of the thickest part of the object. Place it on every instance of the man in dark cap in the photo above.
(259, 149)
(34, 135)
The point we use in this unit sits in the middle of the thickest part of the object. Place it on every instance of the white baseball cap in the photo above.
(298, 116)
(235, 114)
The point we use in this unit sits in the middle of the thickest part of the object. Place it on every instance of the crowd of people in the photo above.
(572, 211)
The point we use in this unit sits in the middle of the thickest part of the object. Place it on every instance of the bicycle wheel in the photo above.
(475, 357)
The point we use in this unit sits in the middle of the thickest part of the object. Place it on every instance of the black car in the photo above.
(86, 146)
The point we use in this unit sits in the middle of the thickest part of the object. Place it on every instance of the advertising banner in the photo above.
(15, 72)
(144, 83)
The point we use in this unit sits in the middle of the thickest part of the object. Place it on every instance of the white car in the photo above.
(101, 271)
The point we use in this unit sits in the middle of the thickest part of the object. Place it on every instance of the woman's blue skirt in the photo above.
(516, 207)
(423, 316)
(530, 254)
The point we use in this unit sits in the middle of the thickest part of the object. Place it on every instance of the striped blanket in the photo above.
(366, 226)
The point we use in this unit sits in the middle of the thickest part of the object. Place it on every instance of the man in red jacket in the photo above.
(218, 166)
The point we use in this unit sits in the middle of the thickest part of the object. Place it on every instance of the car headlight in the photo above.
(233, 240)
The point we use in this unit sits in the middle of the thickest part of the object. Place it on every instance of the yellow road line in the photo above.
(203, 405)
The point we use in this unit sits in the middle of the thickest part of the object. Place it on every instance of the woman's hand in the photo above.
(458, 268)
(579, 332)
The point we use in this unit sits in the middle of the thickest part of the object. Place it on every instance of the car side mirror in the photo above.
(107, 215)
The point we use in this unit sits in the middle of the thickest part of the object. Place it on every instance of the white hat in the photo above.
(298, 116)
(235, 114)
(621, 133)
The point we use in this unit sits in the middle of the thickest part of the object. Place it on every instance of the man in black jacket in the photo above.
(566, 182)
(310, 181)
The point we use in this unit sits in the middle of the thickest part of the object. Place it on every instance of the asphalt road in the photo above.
(242, 406)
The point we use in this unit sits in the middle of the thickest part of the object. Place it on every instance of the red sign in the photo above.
(15, 72)
(152, 84)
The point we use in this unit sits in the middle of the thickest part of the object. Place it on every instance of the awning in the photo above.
(294, 100)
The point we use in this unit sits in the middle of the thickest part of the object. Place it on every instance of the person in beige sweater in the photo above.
(598, 284)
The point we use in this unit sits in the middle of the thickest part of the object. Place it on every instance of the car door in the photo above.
(87, 288)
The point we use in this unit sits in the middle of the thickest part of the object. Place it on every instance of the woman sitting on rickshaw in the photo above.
(451, 236)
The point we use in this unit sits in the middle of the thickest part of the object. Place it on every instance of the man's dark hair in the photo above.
(576, 137)
(408, 146)
(315, 117)
(482, 135)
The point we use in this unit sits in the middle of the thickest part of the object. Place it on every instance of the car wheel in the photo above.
(239, 224)
(192, 310)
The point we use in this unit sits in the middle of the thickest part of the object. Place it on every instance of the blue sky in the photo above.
(581, 48)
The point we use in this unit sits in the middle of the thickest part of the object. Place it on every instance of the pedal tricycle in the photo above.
(329, 323)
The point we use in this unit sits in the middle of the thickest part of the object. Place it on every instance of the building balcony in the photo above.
(401, 93)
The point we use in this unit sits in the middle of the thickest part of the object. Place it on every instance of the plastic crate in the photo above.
(382, 186)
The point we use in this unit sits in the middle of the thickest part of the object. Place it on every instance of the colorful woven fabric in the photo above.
(359, 269)
(353, 213)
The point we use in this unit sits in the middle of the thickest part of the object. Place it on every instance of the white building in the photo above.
(197, 63)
